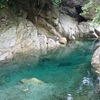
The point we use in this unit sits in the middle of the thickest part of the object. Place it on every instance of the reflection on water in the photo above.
(65, 71)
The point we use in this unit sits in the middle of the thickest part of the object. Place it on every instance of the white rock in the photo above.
(63, 40)
(51, 44)
(6, 55)
(69, 25)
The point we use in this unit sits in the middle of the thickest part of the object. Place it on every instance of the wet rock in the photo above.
(33, 81)
(96, 61)
(63, 40)
(97, 89)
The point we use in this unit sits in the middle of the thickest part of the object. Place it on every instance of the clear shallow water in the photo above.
(62, 70)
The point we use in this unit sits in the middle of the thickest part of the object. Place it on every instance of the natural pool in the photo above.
(62, 71)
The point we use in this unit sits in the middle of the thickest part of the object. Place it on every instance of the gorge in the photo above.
(46, 51)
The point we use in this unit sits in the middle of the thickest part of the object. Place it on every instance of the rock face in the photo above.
(33, 81)
(23, 36)
(69, 26)
(96, 61)
(17, 34)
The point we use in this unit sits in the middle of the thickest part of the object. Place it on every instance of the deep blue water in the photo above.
(62, 70)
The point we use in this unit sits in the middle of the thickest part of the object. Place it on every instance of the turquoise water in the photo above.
(62, 70)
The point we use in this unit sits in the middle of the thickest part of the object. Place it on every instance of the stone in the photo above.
(51, 44)
(33, 81)
(6, 56)
(69, 26)
(27, 38)
(7, 36)
(43, 43)
(84, 27)
(63, 40)
(95, 62)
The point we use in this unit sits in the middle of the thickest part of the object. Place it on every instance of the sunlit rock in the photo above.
(63, 40)
(51, 44)
(69, 26)
(6, 56)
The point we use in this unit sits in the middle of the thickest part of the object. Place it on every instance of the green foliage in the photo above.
(56, 2)
(93, 7)
(4, 3)
(97, 17)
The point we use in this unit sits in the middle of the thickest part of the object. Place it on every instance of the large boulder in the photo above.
(69, 26)
(96, 61)
(23, 36)
(63, 40)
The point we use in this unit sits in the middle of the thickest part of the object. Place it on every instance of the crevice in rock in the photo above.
(79, 17)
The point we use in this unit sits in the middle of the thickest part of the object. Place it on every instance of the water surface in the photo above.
(62, 70)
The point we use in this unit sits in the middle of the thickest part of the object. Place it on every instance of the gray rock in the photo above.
(51, 44)
(96, 61)
(6, 55)
(69, 26)
(7, 36)
(84, 27)
(43, 43)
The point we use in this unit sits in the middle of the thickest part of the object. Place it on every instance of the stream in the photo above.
(66, 73)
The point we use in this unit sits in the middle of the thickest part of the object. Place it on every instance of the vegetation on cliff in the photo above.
(92, 8)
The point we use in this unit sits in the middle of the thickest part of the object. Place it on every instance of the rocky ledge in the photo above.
(18, 34)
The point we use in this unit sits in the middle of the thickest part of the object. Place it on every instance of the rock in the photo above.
(84, 27)
(43, 43)
(33, 81)
(63, 40)
(96, 61)
(51, 44)
(69, 26)
(7, 36)
(6, 56)
(97, 31)
(27, 38)
(94, 35)
(97, 88)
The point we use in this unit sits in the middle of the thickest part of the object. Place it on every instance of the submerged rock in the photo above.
(33, 81)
